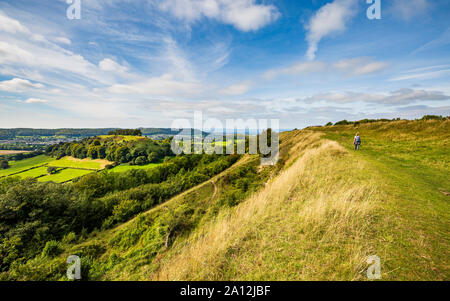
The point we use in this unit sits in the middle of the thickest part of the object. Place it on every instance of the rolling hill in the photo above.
(317, 215)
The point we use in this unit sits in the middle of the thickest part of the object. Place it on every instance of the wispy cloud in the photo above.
(408, 9)
(330, 19)
(245, 15)
(296, 69)
(419, 74)
(351, 67)
(442, 40)
(237, 89)
(360, 66)
(398, 97)
(35, 100)
(18, 85)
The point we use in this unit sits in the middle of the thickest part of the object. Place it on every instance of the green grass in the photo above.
(33, 173)
(122, 137)
(76, 163)
(414, 161)
(65, 175)
(126, 167)
(18, 166)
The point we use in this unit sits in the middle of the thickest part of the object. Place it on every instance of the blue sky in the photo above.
(132, 63)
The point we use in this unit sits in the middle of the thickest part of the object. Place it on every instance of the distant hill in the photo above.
(6, 134)
(27, 132)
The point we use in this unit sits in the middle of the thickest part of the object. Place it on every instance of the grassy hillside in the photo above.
(317, 215)
(332, 208)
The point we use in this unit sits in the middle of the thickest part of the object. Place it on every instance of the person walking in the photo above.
(357, 141)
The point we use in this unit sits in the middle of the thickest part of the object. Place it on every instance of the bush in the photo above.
(52, 248)
(141, 160)
(51, 170)
(433, 117)
(4, 164)
(342, 122)
(69, 238)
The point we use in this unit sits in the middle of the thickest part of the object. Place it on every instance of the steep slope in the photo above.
(332, 208)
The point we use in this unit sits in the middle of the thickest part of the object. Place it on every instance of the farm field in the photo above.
(65, 175)
(122, 138)
(68, 168)
(12, 152)
(22, 165)
(33, 173)
(71, 162)
(126, 167)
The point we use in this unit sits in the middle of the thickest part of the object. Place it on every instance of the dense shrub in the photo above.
(4, 164)
(52, 248)
(34, 216)
(139, 151)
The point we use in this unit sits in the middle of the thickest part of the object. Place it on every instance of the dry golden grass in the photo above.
(311, 222)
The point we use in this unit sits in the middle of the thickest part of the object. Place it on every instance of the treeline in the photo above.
(126, 132)
(20, 146)
(139, 152)
(6, 134)
(34, 215)
(363, 121)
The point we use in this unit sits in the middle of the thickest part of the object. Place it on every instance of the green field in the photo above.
(68, 168)
(122, 137)
(65, 175)
(33, 173)
(126, 167)
(22, 165)
(82, 164)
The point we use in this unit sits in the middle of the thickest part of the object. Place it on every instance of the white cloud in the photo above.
(63, 40)
(237, 89)
(18, 85)
(410, 8)
(399, 97)
(359, 66)
(330, 19)
(10, 25)
(10, 53)
(112, 66)
(428, 72)
(245, 15)
(297, 68)
(352, 67)
(158, 86)
(35, 100)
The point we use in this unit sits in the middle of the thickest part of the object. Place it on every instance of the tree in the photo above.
(141, 160)
(4, 164)
(51, 170)
(152, 157)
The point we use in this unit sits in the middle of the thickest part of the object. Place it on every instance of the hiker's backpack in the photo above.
(358, 139)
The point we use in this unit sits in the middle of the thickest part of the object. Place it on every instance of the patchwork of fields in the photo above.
(67, 168)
